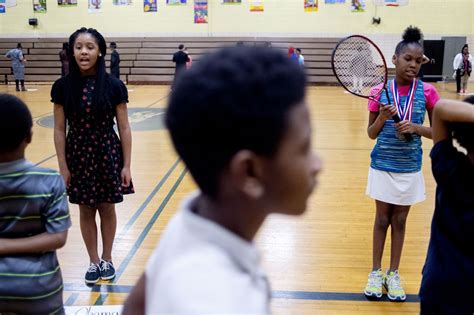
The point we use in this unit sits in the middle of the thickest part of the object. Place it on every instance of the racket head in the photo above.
(359, 65)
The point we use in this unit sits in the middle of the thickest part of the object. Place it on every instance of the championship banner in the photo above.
(231, 1)
(95, 6)
(256, 6)
(39, 6)
(67, 3)
(176, 2)
(122, 2)
(310, 5)
(390, 3)
(150, 6)
(200, 12)
(358, 6)
(2, 6)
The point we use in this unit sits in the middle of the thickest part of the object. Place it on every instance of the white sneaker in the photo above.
(392, 283)
(373, 289)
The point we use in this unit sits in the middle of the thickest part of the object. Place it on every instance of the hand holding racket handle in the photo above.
(396, 119)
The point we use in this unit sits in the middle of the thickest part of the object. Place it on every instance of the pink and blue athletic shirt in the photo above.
(391, 154)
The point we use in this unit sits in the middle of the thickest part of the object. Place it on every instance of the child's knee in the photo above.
(399, 222)
(382, 221)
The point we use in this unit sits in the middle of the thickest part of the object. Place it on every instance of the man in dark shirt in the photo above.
(114, 61)
(180, 58)
(448, 275)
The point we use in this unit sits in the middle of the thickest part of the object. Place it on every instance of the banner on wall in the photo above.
(122, 2)
(176, 2)
(256, 6)
(334, 1)
(200, 12)
(390, 3)
(231, 1)
(150, 6)
(358, 6)
(310, 5)
(39, 6)
(67, 3)
(95, 6)
(2, 6)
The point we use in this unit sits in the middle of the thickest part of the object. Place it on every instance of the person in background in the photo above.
(18, 66)
(114, 61)
(462, 65)
(64, 58)
(180, 58)
(190, 62)
(300, 57)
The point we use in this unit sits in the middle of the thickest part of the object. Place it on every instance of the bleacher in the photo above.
(147, 60)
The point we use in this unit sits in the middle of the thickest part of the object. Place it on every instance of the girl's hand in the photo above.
(406, 126)
(126, 177)
(387, 111)
(64, 171)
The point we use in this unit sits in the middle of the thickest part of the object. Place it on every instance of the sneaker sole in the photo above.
(92, 281)
(372, 296)
(396, 298)
(108, 278)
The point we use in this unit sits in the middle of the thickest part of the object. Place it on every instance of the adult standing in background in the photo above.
(462, 64)
(18, 65)
(114, 61)
(64, 58)
(180, 58)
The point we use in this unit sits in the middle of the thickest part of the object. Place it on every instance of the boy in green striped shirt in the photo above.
(34, 219)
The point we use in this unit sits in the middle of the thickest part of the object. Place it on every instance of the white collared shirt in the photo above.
(199, 267)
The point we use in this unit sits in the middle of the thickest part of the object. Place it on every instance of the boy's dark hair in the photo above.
(74, 86)
(411, 36)
(464, 132)
(236, 98)
(465, 46)
(181, 46)
(113, 45)
(15, 122)
(298, 50)
(18, 46)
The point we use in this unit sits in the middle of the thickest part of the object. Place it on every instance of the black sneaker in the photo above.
(93, 273)
(107, 270)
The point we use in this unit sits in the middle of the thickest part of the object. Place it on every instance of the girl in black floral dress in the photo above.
(93, 160)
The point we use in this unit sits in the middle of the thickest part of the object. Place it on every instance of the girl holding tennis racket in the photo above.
(395, 179)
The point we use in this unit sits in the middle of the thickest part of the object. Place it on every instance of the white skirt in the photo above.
(404, 189)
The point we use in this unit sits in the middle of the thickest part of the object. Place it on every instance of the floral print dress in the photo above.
(94, 154)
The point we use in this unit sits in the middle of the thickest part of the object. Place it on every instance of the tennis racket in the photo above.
(359, 65)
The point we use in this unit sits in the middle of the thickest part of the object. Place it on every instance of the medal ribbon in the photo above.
(405, 111)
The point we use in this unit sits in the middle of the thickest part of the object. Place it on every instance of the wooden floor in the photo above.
(317, 263)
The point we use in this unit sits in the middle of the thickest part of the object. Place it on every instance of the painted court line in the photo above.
(290, 295)
(147, 228)
(139, 211)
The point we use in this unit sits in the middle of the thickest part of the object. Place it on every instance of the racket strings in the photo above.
(358, 65)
